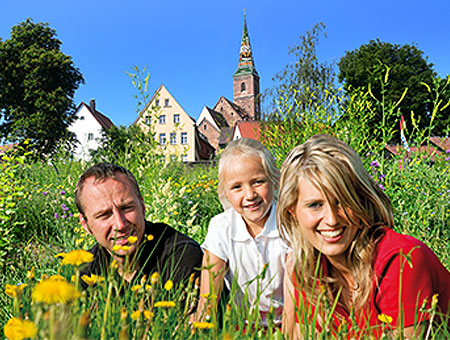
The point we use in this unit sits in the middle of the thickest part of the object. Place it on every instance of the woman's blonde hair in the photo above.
(334, 168)
(245, 148)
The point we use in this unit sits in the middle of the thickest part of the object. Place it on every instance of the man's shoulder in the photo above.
(167, 235)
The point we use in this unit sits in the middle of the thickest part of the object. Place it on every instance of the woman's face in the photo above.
(328, 233)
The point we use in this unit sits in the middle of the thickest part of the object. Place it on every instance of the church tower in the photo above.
(246, 80)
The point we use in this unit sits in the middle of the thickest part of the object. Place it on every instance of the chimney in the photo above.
(92, 105)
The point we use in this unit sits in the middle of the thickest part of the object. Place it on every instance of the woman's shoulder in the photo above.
(393, 245)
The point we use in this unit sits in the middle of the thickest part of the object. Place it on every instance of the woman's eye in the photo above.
(314, 205)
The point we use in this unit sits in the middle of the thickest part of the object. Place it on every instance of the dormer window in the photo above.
(82, 118)
(242, 87)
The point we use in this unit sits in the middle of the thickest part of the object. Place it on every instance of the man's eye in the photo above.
(104, 215)
(128, 208)
(235, 187)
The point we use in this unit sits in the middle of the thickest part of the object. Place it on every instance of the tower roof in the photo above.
(246, 64)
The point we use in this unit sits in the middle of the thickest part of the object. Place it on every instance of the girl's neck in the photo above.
(255, 228)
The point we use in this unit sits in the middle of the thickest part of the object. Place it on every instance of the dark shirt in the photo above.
(172, 254)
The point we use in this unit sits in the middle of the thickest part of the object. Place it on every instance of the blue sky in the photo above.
(192, 47)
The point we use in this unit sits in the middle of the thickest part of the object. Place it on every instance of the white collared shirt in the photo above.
(229, 239)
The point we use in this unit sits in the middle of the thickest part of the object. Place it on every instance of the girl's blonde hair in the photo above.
(246, 148)
(334, 168)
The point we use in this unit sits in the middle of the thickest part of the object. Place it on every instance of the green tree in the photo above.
(407, 68)
(37, 84)
(304, 82)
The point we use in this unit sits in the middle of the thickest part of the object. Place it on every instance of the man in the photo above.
(111, 208)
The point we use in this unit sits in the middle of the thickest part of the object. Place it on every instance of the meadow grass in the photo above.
(38, 220)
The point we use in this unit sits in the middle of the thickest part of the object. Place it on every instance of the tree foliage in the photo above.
(387, 70)
(37, 84)
(305, 81)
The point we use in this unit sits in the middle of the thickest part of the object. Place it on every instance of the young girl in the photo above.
(339, 221)
(244, 240)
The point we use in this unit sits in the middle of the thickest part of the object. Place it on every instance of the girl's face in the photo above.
(328, 233)
(249, 190)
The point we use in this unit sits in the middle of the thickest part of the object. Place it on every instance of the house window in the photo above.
(242, 87)
(173, 138)
(184, 158)
(148, 120)
(166, 102)
(90, 136)
(176, 118)
(184, 138)
(162, 119)
(204, 127)
(82, 118)
(157, 102)
(162, 139)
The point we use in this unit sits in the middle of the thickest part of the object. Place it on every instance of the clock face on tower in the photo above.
(245, 50)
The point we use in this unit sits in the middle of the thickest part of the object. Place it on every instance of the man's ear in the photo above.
(84, 224)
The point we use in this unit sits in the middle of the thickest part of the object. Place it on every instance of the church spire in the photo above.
(246, 64)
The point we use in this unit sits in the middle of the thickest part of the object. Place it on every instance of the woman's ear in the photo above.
(291, 211)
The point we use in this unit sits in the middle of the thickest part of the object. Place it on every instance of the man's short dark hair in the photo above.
(100, 172)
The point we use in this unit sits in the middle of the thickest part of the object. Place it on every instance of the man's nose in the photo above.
(120, 221)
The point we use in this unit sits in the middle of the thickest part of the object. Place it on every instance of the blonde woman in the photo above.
(339, 224)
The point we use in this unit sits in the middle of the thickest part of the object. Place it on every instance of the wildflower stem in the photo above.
(52, 322)
(105, 314)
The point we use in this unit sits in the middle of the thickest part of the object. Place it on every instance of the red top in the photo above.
(425, 278)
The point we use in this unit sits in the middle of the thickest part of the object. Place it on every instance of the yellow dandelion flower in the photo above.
(17, 329)
(123, 313)
(76, 257)
(135, 315)
(30, 274)
(385, 318)
(57, 277)
(116, 247)
(150, 237)
(148, 287)
(135, 288)
(114, 264)
(203, 325)
(92, 279)
(154, 279)
(132, 239)
(54, 290)
(148, 315)
(434, 300)
(13, 290)
(192, 278)
(125, 248)
(168, 285)
(165, 304)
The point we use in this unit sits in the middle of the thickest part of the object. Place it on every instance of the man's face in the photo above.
(113, 212)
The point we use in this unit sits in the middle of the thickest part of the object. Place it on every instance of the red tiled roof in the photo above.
(397, 149)
(249, 129)
(441, 142)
